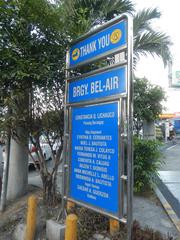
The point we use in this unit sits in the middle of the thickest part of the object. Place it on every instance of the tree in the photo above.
(147, 102)
(33, 43)
(147, 40)
(32, 46)
(34, 37)
(83, 15)
(32, 49)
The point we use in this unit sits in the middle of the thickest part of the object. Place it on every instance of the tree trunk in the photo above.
(49, 189)
(149, 130)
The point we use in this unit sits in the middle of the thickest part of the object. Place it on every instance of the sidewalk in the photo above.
(169, 185)
(147, 210)
(169, 181)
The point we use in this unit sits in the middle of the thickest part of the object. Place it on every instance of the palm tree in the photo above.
(147, 40)
(82, 15)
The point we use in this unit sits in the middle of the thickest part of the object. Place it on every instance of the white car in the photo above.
(46, 152)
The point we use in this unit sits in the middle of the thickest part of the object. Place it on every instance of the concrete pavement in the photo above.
(147, 210)
(172, 158)
(169, 181)
(150, 213)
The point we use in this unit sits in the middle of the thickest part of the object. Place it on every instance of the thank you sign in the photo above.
(99, 44)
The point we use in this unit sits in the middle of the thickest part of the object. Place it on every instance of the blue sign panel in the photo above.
(101, 85)
(103, 42)
(94, 160)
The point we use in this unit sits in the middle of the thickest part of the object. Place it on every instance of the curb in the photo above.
(171, 213)
(168, 195)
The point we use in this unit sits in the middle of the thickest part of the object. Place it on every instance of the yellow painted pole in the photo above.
(70, 205)
(114, 226)
(31, 218)
(71, 227)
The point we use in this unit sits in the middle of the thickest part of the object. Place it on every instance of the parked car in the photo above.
(47, 153)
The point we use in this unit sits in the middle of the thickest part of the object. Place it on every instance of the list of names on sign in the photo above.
(94, 167)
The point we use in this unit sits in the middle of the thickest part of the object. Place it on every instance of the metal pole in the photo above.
(5, 175)
(64, 165)
(130, 131)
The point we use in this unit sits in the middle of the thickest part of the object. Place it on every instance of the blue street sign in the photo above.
(99, 44)
(94, 156)
(100, 85)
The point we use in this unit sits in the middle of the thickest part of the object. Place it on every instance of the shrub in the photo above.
(90, 222)
(147, 160)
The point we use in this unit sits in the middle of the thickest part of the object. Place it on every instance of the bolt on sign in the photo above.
(98, 123)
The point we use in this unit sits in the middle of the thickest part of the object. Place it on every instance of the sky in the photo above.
(153, 68)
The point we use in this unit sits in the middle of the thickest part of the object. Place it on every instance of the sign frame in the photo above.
(119, 214)
(126, 130)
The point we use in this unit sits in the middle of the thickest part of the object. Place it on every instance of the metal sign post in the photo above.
(98, 124)
(130, 172)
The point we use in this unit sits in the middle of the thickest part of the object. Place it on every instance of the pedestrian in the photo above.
(171, 131)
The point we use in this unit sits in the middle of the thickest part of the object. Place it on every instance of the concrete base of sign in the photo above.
(19, 233)
(98, 236)
(54, 230)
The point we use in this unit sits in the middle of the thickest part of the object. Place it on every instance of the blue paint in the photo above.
(94, 162)
(101, 85)
(176, 122)
(109, 39)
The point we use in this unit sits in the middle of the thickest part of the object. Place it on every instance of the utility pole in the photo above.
(5, 175)
(18, 171)
(18, 162)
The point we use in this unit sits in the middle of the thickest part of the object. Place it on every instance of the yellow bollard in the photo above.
(71, 227)
(113, 226)
(31, 218)
(70, 205)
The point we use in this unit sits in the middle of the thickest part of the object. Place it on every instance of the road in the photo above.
(33, 176)
(169, 183)
(172, 158)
